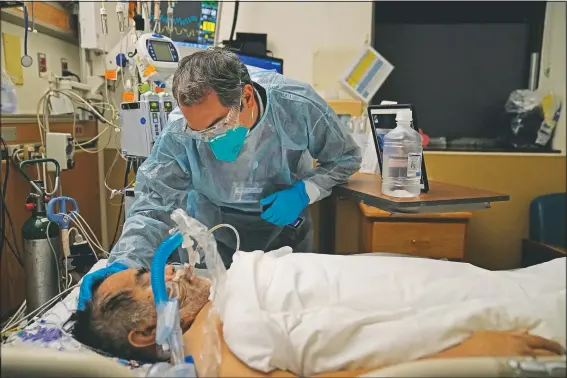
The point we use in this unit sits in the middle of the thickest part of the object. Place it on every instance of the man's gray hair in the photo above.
(212, 70)
(105, 323)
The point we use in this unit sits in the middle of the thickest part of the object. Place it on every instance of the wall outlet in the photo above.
(79, 130)
(35, 155)
(64, 66)
(12, 148)
(42, 64)
(9, 134)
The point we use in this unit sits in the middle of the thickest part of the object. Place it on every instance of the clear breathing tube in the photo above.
(188, 231)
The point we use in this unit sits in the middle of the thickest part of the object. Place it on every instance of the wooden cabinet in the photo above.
(426, 235)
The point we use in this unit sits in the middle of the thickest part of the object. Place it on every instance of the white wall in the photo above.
(553, 63)
(316, 40)
(29, 94)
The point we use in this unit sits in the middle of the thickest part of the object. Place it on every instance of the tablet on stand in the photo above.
(382, 121)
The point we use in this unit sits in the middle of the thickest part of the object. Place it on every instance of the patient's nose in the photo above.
(169, 272)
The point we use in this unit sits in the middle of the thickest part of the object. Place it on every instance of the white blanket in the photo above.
(310, 313)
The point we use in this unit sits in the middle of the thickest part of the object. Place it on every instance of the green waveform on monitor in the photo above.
(179, 31)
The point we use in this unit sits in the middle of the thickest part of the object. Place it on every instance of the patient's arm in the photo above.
(502, 344)
(480, 344)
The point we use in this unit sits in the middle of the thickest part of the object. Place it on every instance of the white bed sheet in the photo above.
(311, 314)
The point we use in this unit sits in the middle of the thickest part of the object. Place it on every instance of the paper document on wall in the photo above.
(12, 52)
(367, 74)
(369, 158)
(61, 105)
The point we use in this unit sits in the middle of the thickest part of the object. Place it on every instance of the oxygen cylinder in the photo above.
(40, 261)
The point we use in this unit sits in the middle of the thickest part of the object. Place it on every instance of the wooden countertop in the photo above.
(441, 197)
(376, 213)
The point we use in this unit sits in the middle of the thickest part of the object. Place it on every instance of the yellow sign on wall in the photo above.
(12, 52)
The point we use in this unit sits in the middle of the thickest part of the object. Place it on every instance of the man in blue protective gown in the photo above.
(239, 149)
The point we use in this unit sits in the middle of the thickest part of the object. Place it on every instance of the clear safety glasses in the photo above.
(229, 122)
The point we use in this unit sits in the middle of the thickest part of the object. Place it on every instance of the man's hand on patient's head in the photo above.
(92, 279)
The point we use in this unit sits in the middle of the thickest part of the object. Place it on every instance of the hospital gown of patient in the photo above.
(311, 314)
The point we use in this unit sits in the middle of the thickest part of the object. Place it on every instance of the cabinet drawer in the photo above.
(437, 240)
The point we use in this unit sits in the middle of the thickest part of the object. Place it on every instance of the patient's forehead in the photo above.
(125, 279)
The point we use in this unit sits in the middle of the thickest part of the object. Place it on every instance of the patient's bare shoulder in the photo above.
(195, 340)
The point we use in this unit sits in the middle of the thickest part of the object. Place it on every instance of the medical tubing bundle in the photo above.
(209, 356)
(168, 331)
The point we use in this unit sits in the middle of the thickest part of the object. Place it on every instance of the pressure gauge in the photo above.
(26, 61)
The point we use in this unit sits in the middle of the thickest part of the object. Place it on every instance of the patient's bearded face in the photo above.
(191, 291)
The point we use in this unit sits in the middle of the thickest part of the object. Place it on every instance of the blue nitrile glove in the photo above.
(286, 205)
(85, 293)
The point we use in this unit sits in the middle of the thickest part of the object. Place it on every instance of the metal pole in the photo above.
(534, 72)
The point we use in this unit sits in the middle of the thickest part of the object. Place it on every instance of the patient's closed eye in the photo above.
(141, 271)
(141, 277)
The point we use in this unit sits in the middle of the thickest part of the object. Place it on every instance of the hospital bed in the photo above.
(68, 358)
(24, 362)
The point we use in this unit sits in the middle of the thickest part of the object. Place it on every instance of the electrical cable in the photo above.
(33, 17)
(7, 242)
(45, 306)
(126, 172)
(15, 239)
(91, 238)
(4, 183)
(5, 211)
(234, 19)
(114, 192)
(16, 318)
(93, 243)
(55, 257)
(69, 73)
(73, 97)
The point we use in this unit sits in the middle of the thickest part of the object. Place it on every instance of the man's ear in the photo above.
(248, 92)
(142, 336)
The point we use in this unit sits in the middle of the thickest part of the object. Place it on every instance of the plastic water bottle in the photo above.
(401, 171)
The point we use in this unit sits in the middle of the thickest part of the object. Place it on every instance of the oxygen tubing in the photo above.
(163, 252)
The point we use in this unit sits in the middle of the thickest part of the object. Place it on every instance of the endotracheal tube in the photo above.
(168, 332)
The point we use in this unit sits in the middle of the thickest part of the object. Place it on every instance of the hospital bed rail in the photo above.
(26, 362)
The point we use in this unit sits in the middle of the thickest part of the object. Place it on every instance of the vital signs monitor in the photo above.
(157, 57)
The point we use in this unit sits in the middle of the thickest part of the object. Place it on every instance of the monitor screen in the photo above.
(194, 23)
(162, 51)
(267, 63)
(383, 121)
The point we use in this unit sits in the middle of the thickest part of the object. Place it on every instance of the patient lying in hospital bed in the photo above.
(313, 314)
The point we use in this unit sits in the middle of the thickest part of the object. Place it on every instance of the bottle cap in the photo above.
(404, 115)
(189, 360)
